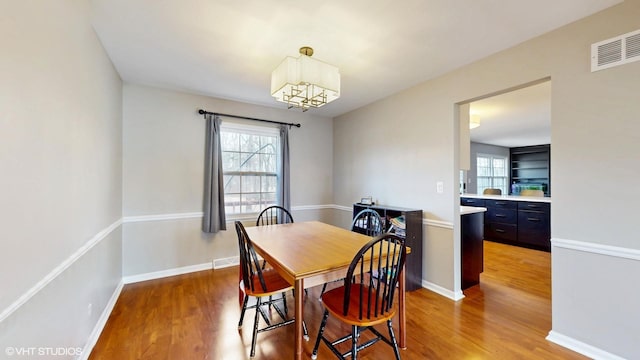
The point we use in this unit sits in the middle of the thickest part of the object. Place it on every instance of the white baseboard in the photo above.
(102, 321)
(166, 273)
(453, 295)
(580, 347)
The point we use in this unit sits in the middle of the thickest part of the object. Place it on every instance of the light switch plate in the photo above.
(439, 187)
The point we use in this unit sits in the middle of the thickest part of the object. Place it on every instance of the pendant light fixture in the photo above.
(305, 82)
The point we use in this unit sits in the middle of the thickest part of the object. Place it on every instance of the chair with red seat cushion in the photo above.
(366, 300)
(258, 283)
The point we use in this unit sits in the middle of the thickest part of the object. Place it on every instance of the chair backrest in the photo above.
(528, 192)
(274, 215)
(249, 265)
(490, 191)
(368, 222)
(375, 279)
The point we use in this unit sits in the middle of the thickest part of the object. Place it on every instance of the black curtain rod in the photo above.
(204, 112)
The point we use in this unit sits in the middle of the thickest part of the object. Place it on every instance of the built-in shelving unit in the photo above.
(530, 168)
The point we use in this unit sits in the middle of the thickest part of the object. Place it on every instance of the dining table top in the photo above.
(305, 249)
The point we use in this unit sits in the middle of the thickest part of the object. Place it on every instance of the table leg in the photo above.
(401, 304)
(299, 295)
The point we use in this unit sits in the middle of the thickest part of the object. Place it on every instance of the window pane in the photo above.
(268, 163)
(269, 183)
(250, 162)
(249, 143)
(229, 141)
(268, 199)
(269, 144)
(230, 161)
(250, 203)
(499, 167)
(484, 166)
(250, 184)
(231, 184)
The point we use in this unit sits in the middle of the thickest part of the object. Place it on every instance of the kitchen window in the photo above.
(250, 157)
(492, 173)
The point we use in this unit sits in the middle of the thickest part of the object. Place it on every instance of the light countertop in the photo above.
(508, 197)
(466, 210)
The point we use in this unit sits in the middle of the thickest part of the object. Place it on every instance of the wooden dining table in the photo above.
(312, 253)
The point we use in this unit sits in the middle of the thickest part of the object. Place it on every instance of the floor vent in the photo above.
(616, 51)
(226, 262)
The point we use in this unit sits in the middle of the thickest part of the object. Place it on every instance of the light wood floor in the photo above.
(195, 316)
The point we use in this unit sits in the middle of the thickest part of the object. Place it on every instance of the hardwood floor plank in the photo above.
(195, 316)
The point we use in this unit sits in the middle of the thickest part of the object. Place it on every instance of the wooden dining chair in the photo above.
(258, 283)
(364, 300)
(490, 191)
(274, 215)
(366, 222)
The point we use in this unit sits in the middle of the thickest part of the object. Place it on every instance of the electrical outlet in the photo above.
(90, 309)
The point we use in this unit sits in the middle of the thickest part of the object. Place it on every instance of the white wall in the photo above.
(397, 148)
(163, 172)
(60, 155)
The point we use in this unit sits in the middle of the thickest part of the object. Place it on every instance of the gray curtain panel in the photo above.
(285, 195)
(214, 217)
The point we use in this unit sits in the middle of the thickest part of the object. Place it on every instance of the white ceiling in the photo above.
(517, 118)
(228, 48)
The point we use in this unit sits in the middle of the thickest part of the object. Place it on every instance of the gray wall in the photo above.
(163, 171)
(596, 138)
(60, 155)
(478, 148)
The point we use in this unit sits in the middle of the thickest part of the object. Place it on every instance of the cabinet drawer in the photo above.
(501, 204)
(534, 228)
(534, 206)
(504, 232)
(499, 215)
(471, 202)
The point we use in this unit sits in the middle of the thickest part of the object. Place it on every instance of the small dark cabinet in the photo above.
(472, 248)
(412, 234)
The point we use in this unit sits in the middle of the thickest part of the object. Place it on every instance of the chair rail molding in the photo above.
(615, 251)
(59, 269)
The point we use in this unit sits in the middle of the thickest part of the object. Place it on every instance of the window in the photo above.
(250, 157)
(491, 172)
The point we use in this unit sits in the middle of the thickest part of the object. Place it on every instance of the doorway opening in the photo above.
(491, 127)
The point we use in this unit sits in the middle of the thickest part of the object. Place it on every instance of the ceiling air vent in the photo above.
(616, 51)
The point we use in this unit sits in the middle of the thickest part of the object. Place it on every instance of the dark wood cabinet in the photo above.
(516, 222)
(471, 202)
(501, 220)
(534, 226)
(472, 227)
(412, 234)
